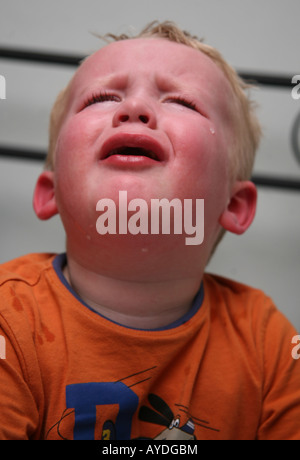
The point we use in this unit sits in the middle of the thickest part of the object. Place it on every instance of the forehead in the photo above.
(167, 62)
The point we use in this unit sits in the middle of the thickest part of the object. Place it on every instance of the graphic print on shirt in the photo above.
(105, 410)
(162, 415)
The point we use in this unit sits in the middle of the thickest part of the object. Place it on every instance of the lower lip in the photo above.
(130, 161)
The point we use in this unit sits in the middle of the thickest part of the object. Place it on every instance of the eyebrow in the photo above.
(166, 84)
(120, 81)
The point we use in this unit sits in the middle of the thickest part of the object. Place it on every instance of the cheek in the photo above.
(201, 171)
(71, 168)
(201, 160)
(76, 207)
(74, 152)
(76, 136)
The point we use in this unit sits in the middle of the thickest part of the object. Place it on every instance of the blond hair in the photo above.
(246, 126)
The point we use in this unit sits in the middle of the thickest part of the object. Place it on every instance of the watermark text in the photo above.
(2, 347)
(150, 449)
(2, 87)
(296, 89)
(296, 349)
(187, 217)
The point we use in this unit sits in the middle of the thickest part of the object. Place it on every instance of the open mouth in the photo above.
(133, 148)
(133, 151)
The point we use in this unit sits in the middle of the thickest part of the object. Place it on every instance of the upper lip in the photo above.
(132, 144)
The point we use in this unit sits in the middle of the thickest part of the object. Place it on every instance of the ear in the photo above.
(44, 203)
(241, 208)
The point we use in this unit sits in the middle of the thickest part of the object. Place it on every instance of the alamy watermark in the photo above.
(2, 96)
(2, 87)
(2, 347)
(186, 218)
(296, 349)
(296, 89)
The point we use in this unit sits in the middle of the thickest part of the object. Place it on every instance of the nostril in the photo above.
(144, 118)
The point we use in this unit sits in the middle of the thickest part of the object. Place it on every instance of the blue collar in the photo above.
(60, 261)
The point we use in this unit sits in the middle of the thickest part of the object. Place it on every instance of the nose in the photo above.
(134, 111)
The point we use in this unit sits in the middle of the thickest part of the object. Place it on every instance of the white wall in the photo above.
(260, 36)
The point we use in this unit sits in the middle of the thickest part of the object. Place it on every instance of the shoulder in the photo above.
(245, 306)
(253, 336)
(232, 293)
(230, 287)
(26, 306)
(23, 286)
(26, 269)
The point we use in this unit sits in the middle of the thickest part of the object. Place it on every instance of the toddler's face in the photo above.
(148, 116)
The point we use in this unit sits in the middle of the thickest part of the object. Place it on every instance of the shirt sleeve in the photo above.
(280, 416)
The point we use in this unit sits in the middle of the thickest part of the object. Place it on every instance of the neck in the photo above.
(134, 302)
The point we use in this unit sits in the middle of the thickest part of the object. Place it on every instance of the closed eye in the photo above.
(183, 101)
(101, 97)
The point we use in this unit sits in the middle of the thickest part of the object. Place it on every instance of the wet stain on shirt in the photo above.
(16, 302)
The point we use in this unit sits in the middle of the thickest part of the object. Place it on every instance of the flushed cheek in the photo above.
(74, 205)
(201, 167)
(78, 134)
(75, 151)
(73, 167)
(205, 177)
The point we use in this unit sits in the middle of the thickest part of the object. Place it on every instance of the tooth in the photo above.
(133, 151)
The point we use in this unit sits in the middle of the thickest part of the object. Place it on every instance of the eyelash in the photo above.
(104, 96)
(101, 97)
(185, 102)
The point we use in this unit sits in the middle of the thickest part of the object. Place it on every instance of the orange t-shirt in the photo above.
(225, 371)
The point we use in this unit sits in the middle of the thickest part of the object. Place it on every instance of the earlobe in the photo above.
(44, 202)
(240, 211)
